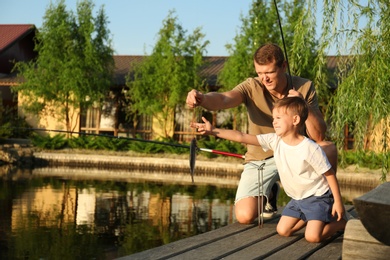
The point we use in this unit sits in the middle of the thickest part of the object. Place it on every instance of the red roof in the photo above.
(9, 33)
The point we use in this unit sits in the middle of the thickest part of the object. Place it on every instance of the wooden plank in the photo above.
(186, 244)
(359, 244)
(302, 249)
(333, 250)
(237, 241)
(330, 251)
(228, 245)
(295, 250)
(264, 248)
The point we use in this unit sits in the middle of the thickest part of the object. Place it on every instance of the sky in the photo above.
(134, 24)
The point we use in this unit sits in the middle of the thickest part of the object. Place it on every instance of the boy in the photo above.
(305, 172)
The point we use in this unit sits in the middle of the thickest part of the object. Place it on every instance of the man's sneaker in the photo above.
(270, 208)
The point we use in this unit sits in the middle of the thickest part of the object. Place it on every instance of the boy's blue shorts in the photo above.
(311, 208)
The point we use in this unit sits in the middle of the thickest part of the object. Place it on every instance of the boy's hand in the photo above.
(338, 208)
(204, 129)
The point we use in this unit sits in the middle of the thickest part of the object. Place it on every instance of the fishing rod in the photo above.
(139, 140)
(284, 44)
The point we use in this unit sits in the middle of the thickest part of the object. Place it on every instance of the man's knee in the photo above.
(245, 217)
(246, 210)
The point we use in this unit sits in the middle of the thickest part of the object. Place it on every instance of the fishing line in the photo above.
(284, 44)
(193, 146)
(260, 197)
(133, 139)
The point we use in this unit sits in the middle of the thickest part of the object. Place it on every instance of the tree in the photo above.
(74, 65)
(161, 81)
(362, 99)
(261, 26)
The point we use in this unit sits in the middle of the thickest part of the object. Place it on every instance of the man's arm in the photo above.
(214, 100)
(315, 125)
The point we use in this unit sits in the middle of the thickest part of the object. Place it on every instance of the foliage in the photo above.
(255, 30)
(261, 26)
(5, 130)
(74, 64)
(369, 160)
(168, 146)
(47, 142)
(12, 126)
(362, 97)
(162, 80)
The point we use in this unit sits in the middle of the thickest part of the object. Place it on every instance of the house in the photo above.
(16, 44)
(104, 121)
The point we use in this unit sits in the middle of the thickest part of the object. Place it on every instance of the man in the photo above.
(259, 95)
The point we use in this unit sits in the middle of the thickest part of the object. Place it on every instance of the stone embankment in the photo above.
(208, 171)
(134, 168)
(21, 155)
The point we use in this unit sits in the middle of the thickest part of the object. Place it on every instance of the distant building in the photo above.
(17, 44)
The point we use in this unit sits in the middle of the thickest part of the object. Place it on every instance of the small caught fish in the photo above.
(193, 149)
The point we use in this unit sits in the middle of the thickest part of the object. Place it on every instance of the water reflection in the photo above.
(53, 217)
(68, 217)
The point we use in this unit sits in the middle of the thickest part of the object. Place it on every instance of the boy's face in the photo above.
(283, 121)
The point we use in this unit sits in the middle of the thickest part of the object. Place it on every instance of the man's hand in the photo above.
(194, 98)
(294, 93)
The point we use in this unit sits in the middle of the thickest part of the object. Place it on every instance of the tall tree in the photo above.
(161, 81)
(362, 99)
(260, 26)
(74, 65)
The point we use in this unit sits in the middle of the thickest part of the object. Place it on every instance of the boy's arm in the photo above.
(232, 135)
(338, 206)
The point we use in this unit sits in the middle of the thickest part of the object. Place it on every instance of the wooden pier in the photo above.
(238, 241)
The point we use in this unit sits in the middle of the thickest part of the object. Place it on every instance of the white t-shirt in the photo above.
(301, 167)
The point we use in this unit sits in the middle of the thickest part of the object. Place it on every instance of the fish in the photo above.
(193, 149)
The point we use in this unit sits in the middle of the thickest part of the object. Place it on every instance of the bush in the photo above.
(96, 142)
(368, 159)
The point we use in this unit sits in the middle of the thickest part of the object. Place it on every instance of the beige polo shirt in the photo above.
(259, 103)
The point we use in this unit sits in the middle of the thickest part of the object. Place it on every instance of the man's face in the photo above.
(272, 76)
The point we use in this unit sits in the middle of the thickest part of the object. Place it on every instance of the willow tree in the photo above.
(160, 83)
(362, 100)
(74, 65)
(260, 26)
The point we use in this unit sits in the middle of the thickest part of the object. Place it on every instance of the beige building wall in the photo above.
(49, 122)
(162, 131)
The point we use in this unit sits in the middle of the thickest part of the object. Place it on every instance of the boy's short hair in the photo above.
(296, 106)
(268, 53)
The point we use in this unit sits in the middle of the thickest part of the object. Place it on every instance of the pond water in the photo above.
(62, 217)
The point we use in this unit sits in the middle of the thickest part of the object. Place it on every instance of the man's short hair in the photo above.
(268, 53)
